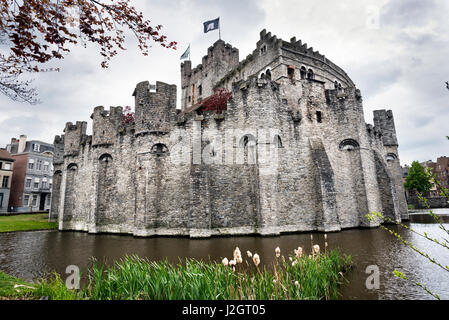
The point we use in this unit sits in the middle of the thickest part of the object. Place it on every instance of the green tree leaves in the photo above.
(418, 178)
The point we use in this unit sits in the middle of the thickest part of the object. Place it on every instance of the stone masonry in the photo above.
(290, 153)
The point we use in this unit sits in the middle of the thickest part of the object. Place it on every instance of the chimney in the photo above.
(22, 143)
(14, 140)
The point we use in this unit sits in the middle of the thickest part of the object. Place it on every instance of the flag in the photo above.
(186, 54)
(211, 25)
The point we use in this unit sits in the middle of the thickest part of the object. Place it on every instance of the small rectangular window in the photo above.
(36, 185)
(5, 182)
(26, 200)
(34, 203)
(291, 73)
(7, 166)
(319, 117)
(28, 183)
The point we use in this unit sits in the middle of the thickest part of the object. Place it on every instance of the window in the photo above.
(31, 164)
(268, 74)
(1, 165)
(190, 99)
(348, 145)
(7, 166)
(159, 149)
(46, 165)
(5, 182)
(28, 183)
(200, 90)
(48, 199)
(1, 200)
(319, 117)
(26, 200)
(39, 165)
(248, 140)
(277, 141)
(34, 201)
(310, 74)
(36, 184)
(263, 49)
(291, 72)
(303, 73)
(36, 147)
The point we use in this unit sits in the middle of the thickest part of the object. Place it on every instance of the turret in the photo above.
(73, 136)
(383, 120)
(198, 83)
(105, 125)
(58, 156)
(155, 107)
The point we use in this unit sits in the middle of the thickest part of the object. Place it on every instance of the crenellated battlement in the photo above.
(383, 119)
(58, 156)
(105, 125)
(233, 160)
(73, 134)
(155, 107)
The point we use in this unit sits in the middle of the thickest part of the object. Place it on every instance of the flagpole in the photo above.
(219, 28)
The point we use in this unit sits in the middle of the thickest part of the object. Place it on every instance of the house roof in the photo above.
(5, 155)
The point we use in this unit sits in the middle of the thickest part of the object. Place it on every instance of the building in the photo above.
(32, 175)
(442, 173)
(6, 170)
(274, 143)
(440, 169)
(429, 164)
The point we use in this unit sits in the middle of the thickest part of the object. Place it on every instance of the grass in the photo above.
(316, 276)
(13, 287)
(411, 206)
(26, 222)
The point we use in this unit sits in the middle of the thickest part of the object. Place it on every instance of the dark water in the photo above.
(31, 254)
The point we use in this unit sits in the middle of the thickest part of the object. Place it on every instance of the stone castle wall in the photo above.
(288, 154)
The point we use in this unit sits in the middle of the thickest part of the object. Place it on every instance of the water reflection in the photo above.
(32, 254)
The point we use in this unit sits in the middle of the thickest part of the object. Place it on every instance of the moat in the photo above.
(30, 254)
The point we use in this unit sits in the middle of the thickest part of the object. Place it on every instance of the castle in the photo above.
(289, 151)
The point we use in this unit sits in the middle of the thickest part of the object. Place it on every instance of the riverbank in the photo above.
(297, 276)
(26, 222)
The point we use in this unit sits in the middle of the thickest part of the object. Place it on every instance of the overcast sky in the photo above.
(395, 51)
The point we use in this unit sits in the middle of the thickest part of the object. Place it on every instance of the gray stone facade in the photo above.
(291, 153)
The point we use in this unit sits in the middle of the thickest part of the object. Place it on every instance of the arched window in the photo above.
(339, 86)
(106, 157)
(303, 72)
(391, 157)
(268, 74)
(248, 140)
(262, 75)
(348, 145)
(277, 141)
(310, 74)
(335, 84)
(291, 72)
(72, 166)
(159, 149)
